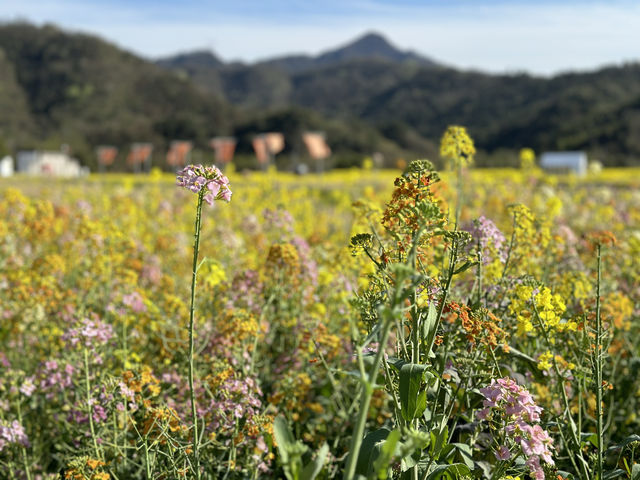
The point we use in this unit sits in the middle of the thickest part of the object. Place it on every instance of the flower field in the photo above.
(355, 324)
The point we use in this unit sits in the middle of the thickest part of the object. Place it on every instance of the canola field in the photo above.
(355, 324)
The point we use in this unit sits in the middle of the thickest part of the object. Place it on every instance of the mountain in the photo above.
(57, 87)
(371, 46)
(192, 60)
(16, 117)
(271, 83)
(80, 90)
(411, 99)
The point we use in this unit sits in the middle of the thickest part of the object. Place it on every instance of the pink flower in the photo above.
(484, 413)
(503, 453)
(28, 387)
(135, 302)
(195, 178)
(517, 409)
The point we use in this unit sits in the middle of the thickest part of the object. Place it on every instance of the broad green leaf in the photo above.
(618, 472)
(314, 467)
(369, 450)
(412, 401)
(439, 441)
(385, 455)
(625, 442)
(455, 469)
(465, 453)
(284, 437)
(396, 362)
(467, 265)
(429, 325)
(289, 449)
(593, 439)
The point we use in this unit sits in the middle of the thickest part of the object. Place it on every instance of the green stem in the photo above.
(147, 461)
(24, 450)
(125, 400)
(575, 433)
(453, 256)
(480, 260)
(598, 362)
(459, 198)
(194, 414)
(89, 404)
(368, 382)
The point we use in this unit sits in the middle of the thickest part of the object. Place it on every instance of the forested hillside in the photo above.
(60, 87)
(412, 99)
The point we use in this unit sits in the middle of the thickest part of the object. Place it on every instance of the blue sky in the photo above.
(541, 37)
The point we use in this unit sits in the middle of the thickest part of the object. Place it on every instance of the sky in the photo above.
(542, 37)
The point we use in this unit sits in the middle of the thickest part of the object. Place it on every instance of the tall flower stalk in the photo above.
(209, 184)
(457, 146)
(599, 239)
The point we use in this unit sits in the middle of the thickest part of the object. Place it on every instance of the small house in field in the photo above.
(6, 166)
(564, 162)
(55, 164)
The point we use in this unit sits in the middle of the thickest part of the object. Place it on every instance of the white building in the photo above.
(56, 164)
(6, 166)
(564, 162)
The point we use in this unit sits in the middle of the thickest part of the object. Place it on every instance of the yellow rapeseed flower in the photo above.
(457, 145)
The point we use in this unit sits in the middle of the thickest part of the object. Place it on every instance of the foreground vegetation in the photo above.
(480, 326)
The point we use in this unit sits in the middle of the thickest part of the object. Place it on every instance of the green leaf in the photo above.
(369, 451)
(314, 467)
(421, 404)
(412, 401)
(455, 469)
(284, 437)
(593, 439)
(618, 472)
(396, 362)
(439, 441)
(289, 449)
(429, 325)
(635, 472)
(465, 453)
(385, 455)
(625, 442)
(466, 266)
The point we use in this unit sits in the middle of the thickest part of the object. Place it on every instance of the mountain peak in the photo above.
(371, 41)
(371, 45)
(198, 58)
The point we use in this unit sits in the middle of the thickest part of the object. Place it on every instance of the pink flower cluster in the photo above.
(54, 378)
(12, 433)
(135, 302)
(484, 231)
(197, 178)
(518, 411)
(90, 332)
(236, 398)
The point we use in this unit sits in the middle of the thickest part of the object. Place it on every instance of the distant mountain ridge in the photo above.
(66, 88)
(80, 90)
(368, 96)
(370, 46)
(411, 99)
